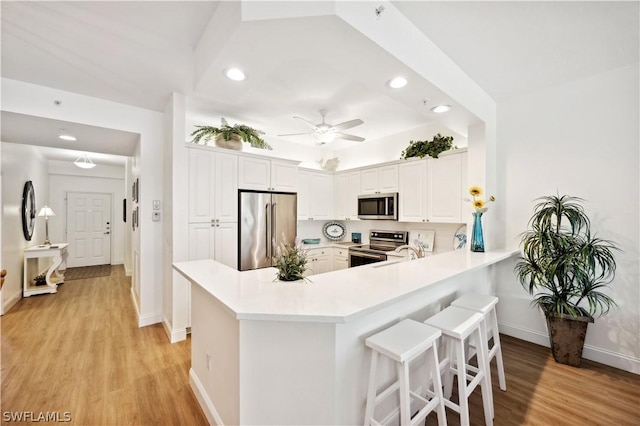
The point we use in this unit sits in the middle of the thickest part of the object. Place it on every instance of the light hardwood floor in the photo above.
(80, 351)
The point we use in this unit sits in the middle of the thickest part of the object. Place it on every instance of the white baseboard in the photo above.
(203, 399)
(144, 320)
(174, 335)
(6, 306)
(127, 270)
(603, 356)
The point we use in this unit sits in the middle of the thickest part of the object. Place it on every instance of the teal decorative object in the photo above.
(477, 239)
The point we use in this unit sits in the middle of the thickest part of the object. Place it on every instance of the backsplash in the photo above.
(444, 232)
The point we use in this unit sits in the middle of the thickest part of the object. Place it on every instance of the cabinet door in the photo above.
(412, 197)
(226, 188)
(340, 258)
(388, 179)
(355, 189)
(320, 196)
(226, 244)
(444, 202)
(304, 191)
(284, 177)
(341, 196)
(322, 264)
(254, 173)
(369, 181)
(201, 241)
(201, 182)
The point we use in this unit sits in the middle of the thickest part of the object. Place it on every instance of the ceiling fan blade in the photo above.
(296, 134)
(313, 126)
(348, 137)
(348, 124)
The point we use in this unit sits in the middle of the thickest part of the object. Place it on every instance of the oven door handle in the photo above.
(370, 256)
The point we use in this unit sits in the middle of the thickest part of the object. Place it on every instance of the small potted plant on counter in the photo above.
(432, 148)
(230, 137)
(565, 267)
(291, 262)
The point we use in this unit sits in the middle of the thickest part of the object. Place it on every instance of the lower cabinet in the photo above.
(318, 261)
(218, 241)
(340, 258)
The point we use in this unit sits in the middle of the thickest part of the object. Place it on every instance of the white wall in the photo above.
(20, 163)
(37, 100)
(66, 177)
(579, 139)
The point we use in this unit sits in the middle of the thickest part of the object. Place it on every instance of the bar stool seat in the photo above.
(486, 305)
(457, 325)
(402, 343)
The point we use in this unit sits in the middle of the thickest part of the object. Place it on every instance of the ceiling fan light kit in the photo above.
(326, 132)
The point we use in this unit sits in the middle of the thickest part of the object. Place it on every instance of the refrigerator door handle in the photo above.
(274, 229)
(267, 230)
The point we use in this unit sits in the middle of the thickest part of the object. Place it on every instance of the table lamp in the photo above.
(46, 212)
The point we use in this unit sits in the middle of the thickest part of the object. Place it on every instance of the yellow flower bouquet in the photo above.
(478, 203)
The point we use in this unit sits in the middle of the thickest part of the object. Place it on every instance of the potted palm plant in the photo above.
(565, 268)
(231, 137)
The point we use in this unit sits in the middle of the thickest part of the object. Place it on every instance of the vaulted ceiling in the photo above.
(138, 53)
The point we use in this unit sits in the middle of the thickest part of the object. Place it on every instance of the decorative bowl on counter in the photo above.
(311, 241)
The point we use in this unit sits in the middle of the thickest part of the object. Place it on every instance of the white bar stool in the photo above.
(457, 325)
(486, 305)
(402, 343)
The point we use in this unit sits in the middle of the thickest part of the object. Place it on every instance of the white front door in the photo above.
(88, 229)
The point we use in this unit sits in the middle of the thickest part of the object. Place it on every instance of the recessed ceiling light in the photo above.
(396, 83)
(441, 108)
(67, 137)
(234, 74)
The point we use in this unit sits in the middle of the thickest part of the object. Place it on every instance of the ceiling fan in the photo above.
(328, 132)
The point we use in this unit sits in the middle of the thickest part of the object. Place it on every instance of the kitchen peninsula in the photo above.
(266, 352)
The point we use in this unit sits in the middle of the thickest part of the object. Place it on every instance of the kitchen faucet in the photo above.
(419, 252)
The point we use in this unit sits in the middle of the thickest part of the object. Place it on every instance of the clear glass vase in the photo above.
(477, 240)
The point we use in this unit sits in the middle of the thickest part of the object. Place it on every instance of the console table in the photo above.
(57, 264)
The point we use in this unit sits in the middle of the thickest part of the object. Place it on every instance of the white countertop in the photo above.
(338, 296)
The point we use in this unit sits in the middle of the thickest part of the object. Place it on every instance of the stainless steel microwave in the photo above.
(378, 206)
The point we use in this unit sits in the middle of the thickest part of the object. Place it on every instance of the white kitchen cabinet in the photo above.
(346, 190)
(315, 196)
(378, 180)
(216, 241)
(319, 261)
(432, 190)
(412, 188)
(445, 177)
(213, 187)
(340, 258)
(267, 175)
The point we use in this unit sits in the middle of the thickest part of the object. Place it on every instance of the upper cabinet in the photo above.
(315, 195)
(267, 175)
(213, 186)
(378, 180)
(346, 190)
(432, 190)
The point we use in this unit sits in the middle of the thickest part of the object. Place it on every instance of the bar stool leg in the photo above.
(371, 392)
(487, 364)
(448, 373)
(463, 400)
(434, 366)
(405, 400)
(484, 383)
(497, 347)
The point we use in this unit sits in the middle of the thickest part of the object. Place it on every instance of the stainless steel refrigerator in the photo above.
(264, 217)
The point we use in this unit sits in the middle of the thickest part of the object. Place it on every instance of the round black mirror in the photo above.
(28, 210)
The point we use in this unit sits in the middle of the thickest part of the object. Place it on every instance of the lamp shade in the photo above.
(84, 162)
(46, 212)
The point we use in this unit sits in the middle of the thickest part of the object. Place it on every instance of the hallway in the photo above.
(81, 352)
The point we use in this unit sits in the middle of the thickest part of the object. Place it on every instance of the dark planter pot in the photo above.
(566, 337)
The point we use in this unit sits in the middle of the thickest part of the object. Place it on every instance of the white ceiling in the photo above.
(137, 53)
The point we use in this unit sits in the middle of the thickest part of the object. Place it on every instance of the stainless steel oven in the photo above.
(378, 206)
(380, 242)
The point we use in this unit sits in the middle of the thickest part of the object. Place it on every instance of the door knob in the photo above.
(106, 233)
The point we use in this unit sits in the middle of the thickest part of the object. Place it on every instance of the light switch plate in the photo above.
(156, 204)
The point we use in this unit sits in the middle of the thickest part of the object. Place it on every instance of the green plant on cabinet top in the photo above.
(244, 132)
(431, 148)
